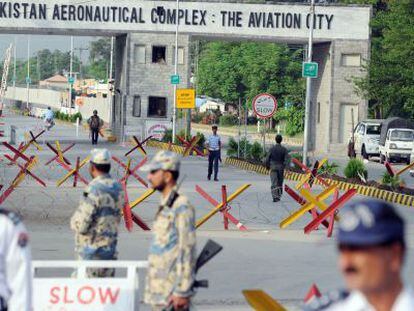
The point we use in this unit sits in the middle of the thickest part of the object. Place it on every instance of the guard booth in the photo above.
(63, 285)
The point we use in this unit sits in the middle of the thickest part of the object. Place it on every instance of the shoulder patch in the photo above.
(11, 215)
(23, 239)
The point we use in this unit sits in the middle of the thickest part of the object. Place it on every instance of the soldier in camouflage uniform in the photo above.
(172, 253)
(97, 218)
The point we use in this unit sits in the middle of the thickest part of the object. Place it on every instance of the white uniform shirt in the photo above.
(15, 267)
(213, 142)
(356, 301)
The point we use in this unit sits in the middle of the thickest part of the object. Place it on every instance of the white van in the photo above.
(398, 145)
(367, 136)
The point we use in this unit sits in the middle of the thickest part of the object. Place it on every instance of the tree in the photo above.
(99, 57)
(389, 83)
(230, 71)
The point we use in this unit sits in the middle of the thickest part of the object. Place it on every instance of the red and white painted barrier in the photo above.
(81, 293)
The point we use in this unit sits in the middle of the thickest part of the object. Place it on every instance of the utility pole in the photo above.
(110, 92)
(308, 87)
(70, 72)
(174, 116)
(80, 60)
(28, 73)
(14, 63)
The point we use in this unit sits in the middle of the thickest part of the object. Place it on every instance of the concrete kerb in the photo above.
(389, 196)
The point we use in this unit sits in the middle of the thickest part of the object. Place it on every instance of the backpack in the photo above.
(95, 122)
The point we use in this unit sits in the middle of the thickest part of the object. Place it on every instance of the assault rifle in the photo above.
(209, 250)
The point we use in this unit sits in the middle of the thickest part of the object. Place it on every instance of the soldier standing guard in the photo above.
(172, 253)
(97, 218)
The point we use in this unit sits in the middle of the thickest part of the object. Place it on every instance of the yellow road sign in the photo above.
(185, 98)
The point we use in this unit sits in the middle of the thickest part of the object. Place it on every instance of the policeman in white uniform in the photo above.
(372, 248)
(15, 267)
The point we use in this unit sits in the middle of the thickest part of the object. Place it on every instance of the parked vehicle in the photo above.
(396, 140)
(367, 136)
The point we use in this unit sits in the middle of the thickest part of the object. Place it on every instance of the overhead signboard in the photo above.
(186, 99)
(284, 21)
(264, 105)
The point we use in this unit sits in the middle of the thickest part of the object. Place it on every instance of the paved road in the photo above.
(283, 262)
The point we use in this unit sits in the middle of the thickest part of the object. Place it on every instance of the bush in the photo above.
(294, 117)
(392, 181)
(167, 138)
(256, 152)
(228, 120)
(329, 168)
(354, 168)
(197, 117)
(232, 148)
(57, 115)
(201, 141)
(75, 116)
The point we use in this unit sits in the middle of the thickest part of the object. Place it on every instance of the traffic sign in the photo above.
(175, 79)
(309, 70)
(28, 80)
(185, 98)
(71, 80)
(264, 105)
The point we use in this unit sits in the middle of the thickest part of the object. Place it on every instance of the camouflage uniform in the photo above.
(96, 220)
(172, 253)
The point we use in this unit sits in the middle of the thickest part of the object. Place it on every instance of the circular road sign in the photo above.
(264, 105)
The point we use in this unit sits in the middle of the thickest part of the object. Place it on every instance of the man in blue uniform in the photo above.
(372, 250)
(214, 149)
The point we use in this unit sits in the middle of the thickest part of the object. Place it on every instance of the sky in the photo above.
(39, 42)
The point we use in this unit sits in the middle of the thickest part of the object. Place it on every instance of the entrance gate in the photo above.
(144, 58)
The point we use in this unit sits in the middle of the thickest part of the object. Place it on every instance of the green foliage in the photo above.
(228, 120)
(253, 151)
(354, 168)
(197, 117)
(232, 148)
(75, 116)
(233, 70)
(256, 152)
(389, 84)
(297, 156)
(167, 138)
(43, 65)
(181, 133)
(67, 117)
(330, 168)
(392, 181)
(294, 118)
(201, 140)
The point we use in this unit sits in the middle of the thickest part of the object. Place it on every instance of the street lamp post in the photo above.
(308, 86)
(174, 116)
(110, 92)
(28, 73)
(70, 72)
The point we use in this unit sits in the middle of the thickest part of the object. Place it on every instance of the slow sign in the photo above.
(264, 105)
